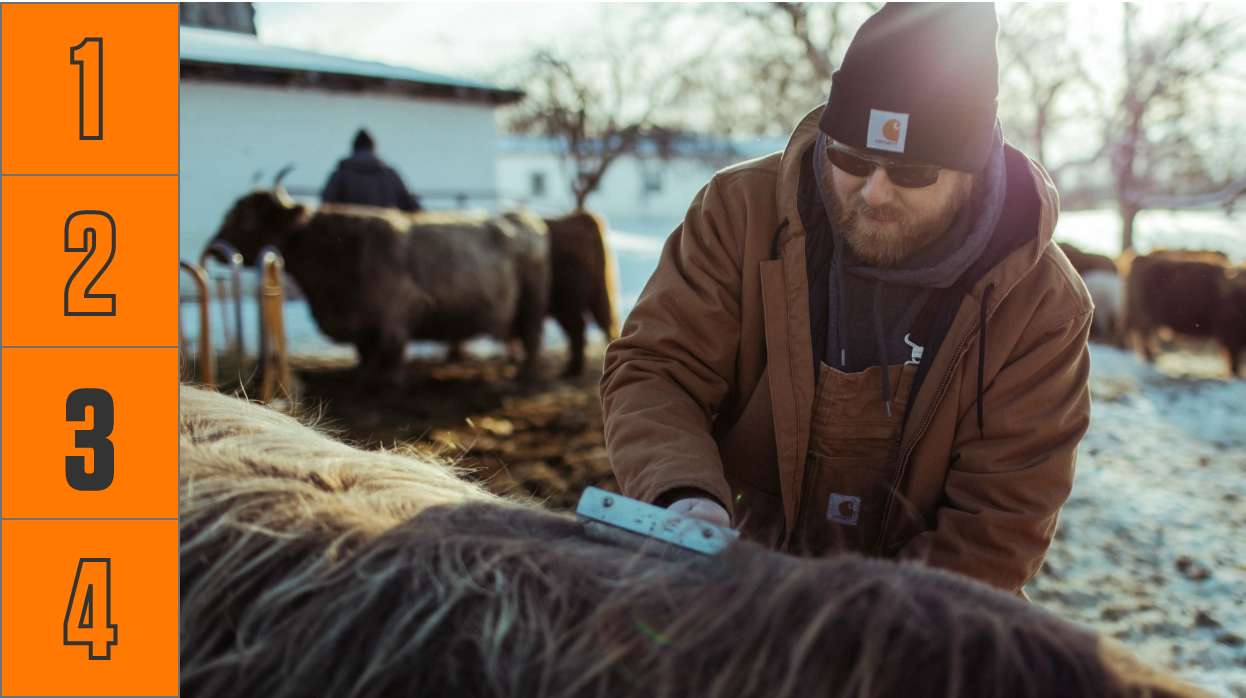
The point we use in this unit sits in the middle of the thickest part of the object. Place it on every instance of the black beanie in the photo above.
(363, 140)
(918, 83)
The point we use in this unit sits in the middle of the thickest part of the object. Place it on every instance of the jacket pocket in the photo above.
(844, 505)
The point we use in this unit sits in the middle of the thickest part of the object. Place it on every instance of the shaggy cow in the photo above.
(1107, 292)
(377, 278)
(1085, 262)
(310, 568)
(1106, 289)
(1194, 294)
(583, 282)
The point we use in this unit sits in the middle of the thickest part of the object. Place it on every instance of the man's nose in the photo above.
(878, 189)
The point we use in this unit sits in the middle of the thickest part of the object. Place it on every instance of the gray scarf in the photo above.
(897, 294)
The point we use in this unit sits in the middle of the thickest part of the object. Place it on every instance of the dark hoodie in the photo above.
(363, 178)
(871, 310)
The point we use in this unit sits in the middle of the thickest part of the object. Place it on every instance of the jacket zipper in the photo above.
(921, 431)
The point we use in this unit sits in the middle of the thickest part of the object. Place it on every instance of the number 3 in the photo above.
(95, 438)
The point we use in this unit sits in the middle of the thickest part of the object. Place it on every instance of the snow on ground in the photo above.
(1151, 547)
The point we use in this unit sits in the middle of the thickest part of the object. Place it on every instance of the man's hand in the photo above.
(701, 508)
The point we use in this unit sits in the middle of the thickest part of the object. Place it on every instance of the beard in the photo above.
(888, 235)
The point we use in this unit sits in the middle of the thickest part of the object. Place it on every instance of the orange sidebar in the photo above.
(88, 362)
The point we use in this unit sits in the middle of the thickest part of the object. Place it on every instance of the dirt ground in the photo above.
(543, 440)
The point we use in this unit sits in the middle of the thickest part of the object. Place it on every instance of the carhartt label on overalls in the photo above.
(844, 509)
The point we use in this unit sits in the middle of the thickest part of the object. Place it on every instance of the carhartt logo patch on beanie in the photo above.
(887, 130)
(919, 83)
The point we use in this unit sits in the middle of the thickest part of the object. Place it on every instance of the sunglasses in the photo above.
(905, 175)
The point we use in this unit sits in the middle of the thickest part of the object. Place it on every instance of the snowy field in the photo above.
(1151, 547)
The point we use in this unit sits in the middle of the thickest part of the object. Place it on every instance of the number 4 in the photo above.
(88, 619)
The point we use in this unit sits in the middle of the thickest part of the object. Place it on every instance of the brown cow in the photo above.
(376, 277)
(1191, 293)
(309, 568)
(1085, 262)
(582, 284)
(582, 281)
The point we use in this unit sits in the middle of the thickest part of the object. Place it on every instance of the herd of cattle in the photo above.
(1193, 293)
(377, 277)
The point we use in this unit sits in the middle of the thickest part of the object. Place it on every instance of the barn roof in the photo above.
(244, 58)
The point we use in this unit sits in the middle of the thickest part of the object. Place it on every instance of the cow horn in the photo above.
(255, 178)
(281, 174)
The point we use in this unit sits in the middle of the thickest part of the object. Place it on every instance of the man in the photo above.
(363, 178)
(868, 341)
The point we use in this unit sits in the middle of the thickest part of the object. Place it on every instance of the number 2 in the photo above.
(95, 438)
(88, 619)
(89, 57)
(82, 234)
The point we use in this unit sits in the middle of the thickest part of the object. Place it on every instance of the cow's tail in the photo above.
(604, 301)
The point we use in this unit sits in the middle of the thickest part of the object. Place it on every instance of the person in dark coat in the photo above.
(363, 178)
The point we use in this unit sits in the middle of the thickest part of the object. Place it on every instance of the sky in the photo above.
(464, 39)
(478, 39)
(485, 40)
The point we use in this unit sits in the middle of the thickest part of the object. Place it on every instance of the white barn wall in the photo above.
(229, 131)
(514, 172)
(621, 198)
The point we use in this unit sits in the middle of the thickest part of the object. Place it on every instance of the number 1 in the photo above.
(89, 57)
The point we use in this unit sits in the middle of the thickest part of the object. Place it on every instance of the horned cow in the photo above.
(312, 568)
(377, 278)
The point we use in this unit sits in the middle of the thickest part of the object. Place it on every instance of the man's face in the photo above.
(885, 224)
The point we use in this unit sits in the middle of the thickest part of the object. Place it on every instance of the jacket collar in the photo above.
(801, 140)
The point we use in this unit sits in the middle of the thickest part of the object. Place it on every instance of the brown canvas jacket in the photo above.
(711, 384)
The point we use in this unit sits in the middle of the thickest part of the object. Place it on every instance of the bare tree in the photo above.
(1164, 136)
(565, 105)
(604, 101)
(773, 62)
(1043, 88)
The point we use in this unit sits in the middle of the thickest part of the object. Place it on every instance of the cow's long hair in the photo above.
(309, 568)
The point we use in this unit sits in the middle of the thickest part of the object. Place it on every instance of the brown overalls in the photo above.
(850, 468)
